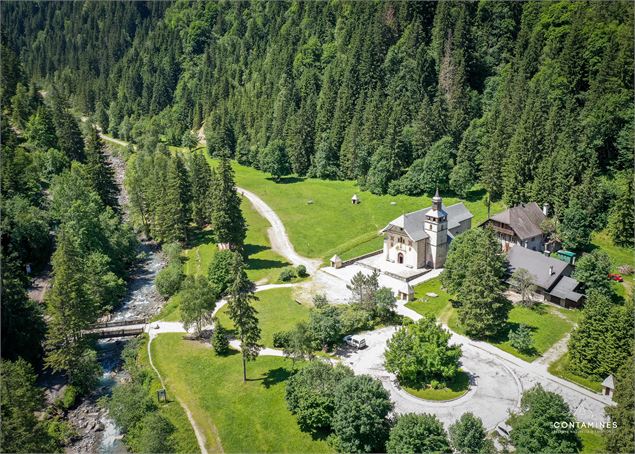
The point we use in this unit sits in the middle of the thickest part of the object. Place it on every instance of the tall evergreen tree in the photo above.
(201, 182)
(242, 313)
(229, 224)
(100, 170)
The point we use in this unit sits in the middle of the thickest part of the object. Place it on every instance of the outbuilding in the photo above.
(336, 261)
(608, 386)
(355, 200)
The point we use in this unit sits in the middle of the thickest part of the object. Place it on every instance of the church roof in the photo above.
(524, 220)
(412, 223)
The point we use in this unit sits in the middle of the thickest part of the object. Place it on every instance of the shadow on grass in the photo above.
(251, 249)
(261, 264)
(198, 237)
(286, 180)
(274, 376)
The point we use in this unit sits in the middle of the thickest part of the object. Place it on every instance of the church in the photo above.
(421, 239)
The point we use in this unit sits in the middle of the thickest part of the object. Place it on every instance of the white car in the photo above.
(355, 341)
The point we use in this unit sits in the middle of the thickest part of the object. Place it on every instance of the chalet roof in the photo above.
(336, 258)
(565, 288)
(609, 382)
(412, 223)
(524, 220)
(538, 266)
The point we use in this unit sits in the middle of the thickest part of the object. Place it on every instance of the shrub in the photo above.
(152, 434)
(300, 271)
(129, 404)
(70, 397)
(168, 280)
(310, 394)
(417, 433)
(220, 342)
(172, 252)
(281, 339)
(521, 339)
(287, 274)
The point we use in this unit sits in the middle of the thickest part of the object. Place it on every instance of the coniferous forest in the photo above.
(531, 100)
(527, 101)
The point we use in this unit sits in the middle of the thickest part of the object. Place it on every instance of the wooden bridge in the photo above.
(119, 328)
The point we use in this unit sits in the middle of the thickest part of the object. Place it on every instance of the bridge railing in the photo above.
(128, 322)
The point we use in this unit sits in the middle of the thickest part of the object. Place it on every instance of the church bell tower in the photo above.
(436, 226)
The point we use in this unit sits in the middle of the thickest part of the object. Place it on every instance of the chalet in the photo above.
(550, 276)
(420, 239)
(520, 225)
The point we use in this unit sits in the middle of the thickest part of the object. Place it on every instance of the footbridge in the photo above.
(118, 328)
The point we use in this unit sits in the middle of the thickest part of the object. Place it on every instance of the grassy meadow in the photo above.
(321, 220)
(248, 417)
(277, 311)
(548, 324)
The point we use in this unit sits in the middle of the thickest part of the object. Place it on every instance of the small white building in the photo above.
(608, 386)
(336, 261)
(420, 239)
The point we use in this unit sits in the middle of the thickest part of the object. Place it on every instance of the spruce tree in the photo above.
(100, 170)
(622, 437)
(242, 313)
(228, 221)
(70, 308)
(201, 184)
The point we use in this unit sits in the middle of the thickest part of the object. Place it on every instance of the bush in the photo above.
(70, 397)
(287, 274)
(168, 280)
(152, 434)
(129, 404)
(220, 342)
(219, 271)
(521, 339)
(355, 318)
(172, 252)
(310, 394)
(417, 433)
(281, 339)
(300, 271)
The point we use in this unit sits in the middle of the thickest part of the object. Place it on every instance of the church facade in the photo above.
(420, 239)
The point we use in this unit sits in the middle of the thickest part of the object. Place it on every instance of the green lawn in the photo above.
(456, 388)
(321, 220)
(427, 305)
(248, 417)
(549, 324)
(183, 437)
(619, 256)
(263, 265)
(592, 441)
(559, 368)
(277, 311)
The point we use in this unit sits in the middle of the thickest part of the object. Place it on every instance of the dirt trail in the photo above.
(278, 235)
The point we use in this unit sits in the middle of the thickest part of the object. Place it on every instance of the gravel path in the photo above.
(278, 235)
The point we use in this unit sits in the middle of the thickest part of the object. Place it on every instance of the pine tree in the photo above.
(70, 308)
(69, 136)
(100, 170)
(40, 130)
(622, 437)
(201, 184)
(242, 313)
(229, 224)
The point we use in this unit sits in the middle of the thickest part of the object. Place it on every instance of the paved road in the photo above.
(278, 235)
(499, 379)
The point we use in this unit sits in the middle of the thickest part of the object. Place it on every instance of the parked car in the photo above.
(355, 341)
(616, 277)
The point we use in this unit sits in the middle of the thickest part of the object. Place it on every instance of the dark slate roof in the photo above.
(412, 223)
(525, 220)
(537, 264)
(565, 288)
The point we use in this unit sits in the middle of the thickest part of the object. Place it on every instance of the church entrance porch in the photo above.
(395, 270)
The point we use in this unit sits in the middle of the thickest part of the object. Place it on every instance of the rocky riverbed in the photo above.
(96, 432)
